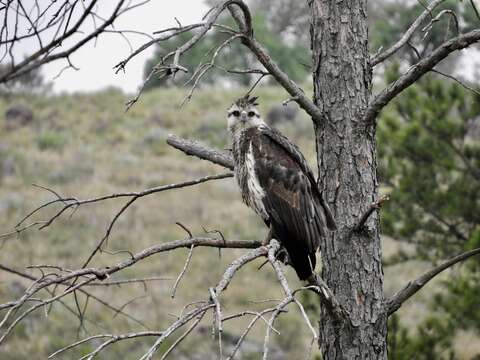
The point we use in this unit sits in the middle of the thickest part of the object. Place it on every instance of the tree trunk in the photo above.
(346, 154)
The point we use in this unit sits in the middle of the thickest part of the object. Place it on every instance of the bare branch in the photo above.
(183, 336)
(194, 148)
(217, 319)
(204, 68)
(374, 206)
(189, 257)
(113, 338)
(261, 53)
(91, 274)
(83, 291)
(417, 71)
(475, 9)
(396, 301)
(75, 203)
(458, 81)
(172, 68)
(453, 16)
(382, 56)
(45, 53)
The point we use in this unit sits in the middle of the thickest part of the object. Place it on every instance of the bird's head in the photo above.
(243, 114)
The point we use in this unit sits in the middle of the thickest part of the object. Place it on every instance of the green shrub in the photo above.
(50, 140)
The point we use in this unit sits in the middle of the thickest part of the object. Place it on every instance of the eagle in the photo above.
(277, 183)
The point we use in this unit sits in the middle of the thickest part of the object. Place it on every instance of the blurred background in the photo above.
(68, 130)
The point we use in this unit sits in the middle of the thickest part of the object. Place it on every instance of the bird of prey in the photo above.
(277, 183)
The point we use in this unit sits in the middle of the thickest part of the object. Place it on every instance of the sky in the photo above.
(97, 59)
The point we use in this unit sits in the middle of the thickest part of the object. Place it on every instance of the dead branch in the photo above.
(289, 297)
(240, 14)
(212, 303)
(183, 336)
(203, 69)
(70, 202)
(189, 257)
(453, 16)
(373, 206)
(458, 81)
(60, 25)
(83, 291)
(89, 275)
(217, 320)
(163, 69)
(382, 56)
(417, 71)
(396, 301)
(113, 338)
(195, 148)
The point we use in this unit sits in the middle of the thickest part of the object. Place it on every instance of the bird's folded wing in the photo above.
(288, 197)
(295, 154)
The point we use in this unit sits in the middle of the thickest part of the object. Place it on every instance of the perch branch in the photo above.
(195, 148)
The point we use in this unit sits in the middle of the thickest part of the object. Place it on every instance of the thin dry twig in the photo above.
(373, 206)
(382, 56)
(396, 301)
(217, 319)
(187, 262)
(417, 71)
(53, 37)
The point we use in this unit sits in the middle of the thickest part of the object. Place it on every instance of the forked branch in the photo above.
(382, 56)
(261, 53)
(417, 71)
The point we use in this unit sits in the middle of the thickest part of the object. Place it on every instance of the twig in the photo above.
(249, 327)
(475, 9)
(217, 318)
(189, 257)
(382, 56)
(429, 26)
(183, 336)
(396, 301)
(261, 53)
(176, 325)
(417, 71)
(373, 206)
(457, 80)
(103, 273)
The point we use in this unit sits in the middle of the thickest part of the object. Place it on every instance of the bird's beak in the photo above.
(243, 116)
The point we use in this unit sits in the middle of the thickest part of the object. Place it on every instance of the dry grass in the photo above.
(84, 146)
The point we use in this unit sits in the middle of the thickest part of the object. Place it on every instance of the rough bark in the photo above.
(346, 151)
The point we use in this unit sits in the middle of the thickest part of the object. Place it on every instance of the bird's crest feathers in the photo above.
(246, 101)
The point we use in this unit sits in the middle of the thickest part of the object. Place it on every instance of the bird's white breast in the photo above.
(255, 190)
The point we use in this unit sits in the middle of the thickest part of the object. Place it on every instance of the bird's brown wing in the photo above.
(296, 214)
(280, 140)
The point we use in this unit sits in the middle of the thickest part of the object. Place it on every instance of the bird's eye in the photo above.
(251, 114)
(236, 113)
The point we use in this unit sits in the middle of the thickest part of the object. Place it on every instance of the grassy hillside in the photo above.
(85, 145)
